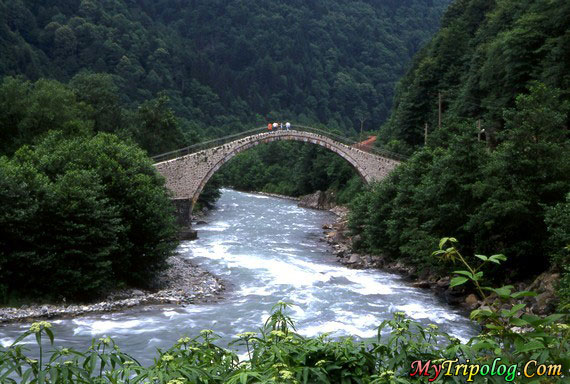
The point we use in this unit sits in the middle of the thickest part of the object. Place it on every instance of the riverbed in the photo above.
(266, 249)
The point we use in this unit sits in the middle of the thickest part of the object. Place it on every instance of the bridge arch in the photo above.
(187, 175)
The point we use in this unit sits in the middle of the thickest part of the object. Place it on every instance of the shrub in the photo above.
(81, 215)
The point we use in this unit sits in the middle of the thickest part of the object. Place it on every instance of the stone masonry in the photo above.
(187, 175)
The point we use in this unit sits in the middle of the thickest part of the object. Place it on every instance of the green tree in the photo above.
(157, 129)
(94, 214)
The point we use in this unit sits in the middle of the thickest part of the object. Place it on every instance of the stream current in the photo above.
(266, 249)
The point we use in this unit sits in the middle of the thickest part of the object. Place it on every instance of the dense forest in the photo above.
(161, 76)
(497, 173)
(220, 68)
(221, 63)
(89, 89)
(485, 53)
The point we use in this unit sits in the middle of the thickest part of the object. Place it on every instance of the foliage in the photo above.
(80, 215)
(144, 70)
(277, 354)
(491, 200)
(485, 54)
(324, 61)
(558, 221)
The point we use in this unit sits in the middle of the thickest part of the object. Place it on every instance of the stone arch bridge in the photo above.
(188, 170)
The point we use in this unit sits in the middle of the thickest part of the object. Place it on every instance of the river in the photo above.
(266, 249)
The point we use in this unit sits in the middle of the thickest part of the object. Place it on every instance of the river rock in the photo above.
(318, 200)
(354, 258)
(471, 301)
(182, 283)
(421, 284)
(547, 299)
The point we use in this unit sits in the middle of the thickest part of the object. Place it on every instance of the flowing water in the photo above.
(268, 250)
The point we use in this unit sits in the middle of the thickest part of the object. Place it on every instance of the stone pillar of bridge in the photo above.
(183, 212)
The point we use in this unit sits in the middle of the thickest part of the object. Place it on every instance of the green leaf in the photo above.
(458, 281)
(531, 346)
(464, 273)
(482, 257)
(518, 322)
(50, 335)
(518, 295)
(497, 258)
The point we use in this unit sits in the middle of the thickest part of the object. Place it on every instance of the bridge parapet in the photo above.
(186, 175)
(227, 139)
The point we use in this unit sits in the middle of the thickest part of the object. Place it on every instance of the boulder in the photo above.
(547, 300)
(318, 200)
(354, 258)
(188, 234)
(421, 284)
(471, 301)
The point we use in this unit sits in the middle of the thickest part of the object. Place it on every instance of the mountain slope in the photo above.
(221, 62)
(485, 53)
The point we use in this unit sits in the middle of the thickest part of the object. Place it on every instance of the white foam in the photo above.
(337, 328)
(420, 311)
(101, 327)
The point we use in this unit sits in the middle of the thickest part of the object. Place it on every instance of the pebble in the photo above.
(182, 283)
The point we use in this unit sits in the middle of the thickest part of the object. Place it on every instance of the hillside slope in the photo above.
(223, 62)
(486, 52)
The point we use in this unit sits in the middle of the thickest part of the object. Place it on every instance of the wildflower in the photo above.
(562, 327)
(105, 340)
(64, 351)
(184, 340)
(246, 335)
(279, 365)
(167, 357)
(206, 332)
(278, 333)
(180, 380)
(389, 374)
(37, 327)
(286, 375)
(320, 363)
(433, 326)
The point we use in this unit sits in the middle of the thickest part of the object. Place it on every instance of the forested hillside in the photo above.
(161, 75)
(497, 173)
(485, 53)
(227, 62)
(171, 73)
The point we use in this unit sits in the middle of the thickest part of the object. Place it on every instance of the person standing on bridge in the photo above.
(281, 125)
(269, 126)
(275, 125)
(288, 125)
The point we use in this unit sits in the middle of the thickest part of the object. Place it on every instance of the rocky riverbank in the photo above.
(182, 283)
(337, 235)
